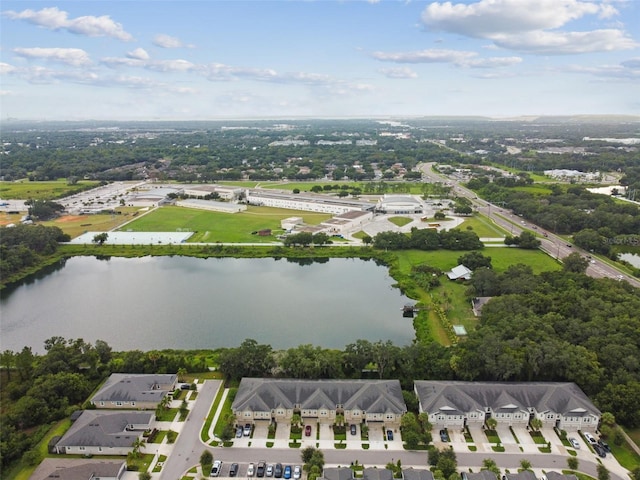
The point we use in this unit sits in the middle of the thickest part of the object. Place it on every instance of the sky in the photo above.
(200, 60)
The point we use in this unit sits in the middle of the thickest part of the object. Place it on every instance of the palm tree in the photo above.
(525, 464)
(137, 444)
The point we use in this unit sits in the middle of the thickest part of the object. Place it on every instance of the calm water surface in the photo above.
(632, 258)
(181, 302)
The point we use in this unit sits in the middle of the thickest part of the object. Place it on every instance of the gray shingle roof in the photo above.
(78, 469)
(416, 474)
(125, 387)
(103, 428)
(560, 476)
(377, 474)
(481, 475)
(523, 475)
(451, 397)
(372, 396)
(338, 473)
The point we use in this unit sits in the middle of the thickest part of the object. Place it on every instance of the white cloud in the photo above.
(167, 41)
(562, 43)
(628, 70)
(71, 56)
(525, 25)
(488, 17)
(138, 54)
(402, 72)
(6, 68)
(459, 58)
(56, 19)
(177, 65)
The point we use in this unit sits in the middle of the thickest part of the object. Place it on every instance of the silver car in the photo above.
(574, 443)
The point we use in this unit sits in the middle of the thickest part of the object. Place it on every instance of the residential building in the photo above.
(278, 400)
(79, 469)
(456, 404)
(134, 391)
(101, 432)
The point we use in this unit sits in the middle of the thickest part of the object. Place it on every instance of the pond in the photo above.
(190, 303)
(632, 258)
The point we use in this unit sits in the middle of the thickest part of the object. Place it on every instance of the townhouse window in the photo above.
(119, 404)
(102, 404)
(81, 448)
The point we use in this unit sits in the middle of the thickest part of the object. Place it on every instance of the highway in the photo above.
(553, 245)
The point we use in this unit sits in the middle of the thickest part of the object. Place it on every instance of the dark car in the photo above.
(287, 472)
(444, 435)
(604, 445)
(261, 467)
(599, 450)
(307, 431)
(233, 471)
(277, 470)
(353, 429)
(389, 435)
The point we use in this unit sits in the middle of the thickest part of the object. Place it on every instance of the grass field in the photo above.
(483, 227)
(536, 189)
(211, 227)
(501, 259)
(24, 190)
(76, 225)
(400, 221)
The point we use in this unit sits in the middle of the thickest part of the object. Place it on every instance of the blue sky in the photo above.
(166, 60)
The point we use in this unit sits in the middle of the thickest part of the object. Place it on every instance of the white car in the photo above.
(251, 470)
(216, 468)
(574, 443)
(297, 472)
(590, 438)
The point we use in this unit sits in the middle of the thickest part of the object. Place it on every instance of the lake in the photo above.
(632, 258)
(189, 303)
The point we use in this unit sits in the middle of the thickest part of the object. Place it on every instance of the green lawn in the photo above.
(501, 259)
(24, 190)
(214, 227)
(483, 227)
(400, 221)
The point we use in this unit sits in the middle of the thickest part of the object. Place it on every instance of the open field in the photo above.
(483, 227)
(212, 227)
(536, 189)
(76, 225)
(24, 190)
(415, 188)
(501, 259)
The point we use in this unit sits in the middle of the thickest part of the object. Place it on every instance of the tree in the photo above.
(572, 463)
(575, 263)
(144, 476)
(603, 473)
(100, 238)
(490, 464)
(474, 260)
(536, 424)
(492, 423)
(528, 240)
(525, 464)
(137, 445)
(206, 458)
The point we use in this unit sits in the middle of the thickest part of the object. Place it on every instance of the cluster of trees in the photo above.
(23, 246)
(40, 389)
(306, 238)
(44, 209)
(525, 240)
(428, 239)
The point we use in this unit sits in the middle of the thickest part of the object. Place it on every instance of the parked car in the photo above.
(287, 472)
(444, 435)
(353, 429)
(297, 472)
(599, 450)
(215, 469)
(251, 469)
(269, 472)
(604, 445)
(307, 431)
(233, 471)
(261, 468)
(574, 443)
(590, 438)
(247, 430)
(389, 435)
(277, 470)
(238, 432)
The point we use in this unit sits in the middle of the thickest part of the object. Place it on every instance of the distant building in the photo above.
(459, 273)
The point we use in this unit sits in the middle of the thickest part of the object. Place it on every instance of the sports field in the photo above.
(221, 227)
